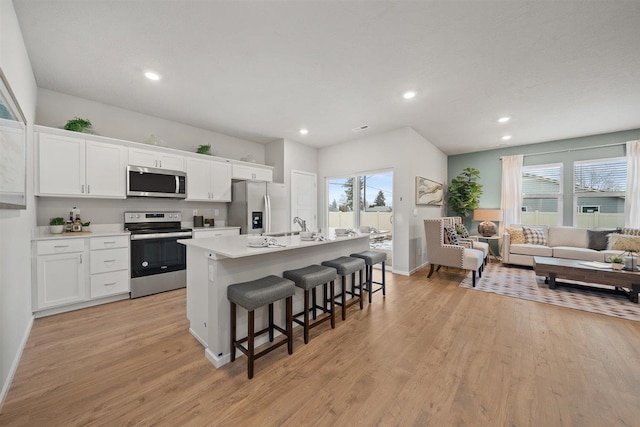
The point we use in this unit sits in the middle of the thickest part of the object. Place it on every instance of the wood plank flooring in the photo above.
(430, 353)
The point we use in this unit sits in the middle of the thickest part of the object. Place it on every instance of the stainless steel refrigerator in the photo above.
(259, 207)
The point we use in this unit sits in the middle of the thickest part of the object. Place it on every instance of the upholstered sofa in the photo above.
(565, 242)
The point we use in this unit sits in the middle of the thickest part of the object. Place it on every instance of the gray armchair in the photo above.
(459, 256)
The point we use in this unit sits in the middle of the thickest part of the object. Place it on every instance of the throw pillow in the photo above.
(630, 231)
(534, 236)
(462, 231)
(516, 236)
(624, 242)
(598, 239)
(450, 236)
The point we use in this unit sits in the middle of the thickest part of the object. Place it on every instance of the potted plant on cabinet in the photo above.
(56, 225)
(464, 192)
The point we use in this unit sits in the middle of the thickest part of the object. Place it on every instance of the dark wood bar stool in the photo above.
(308, 278)
(372, 258)
(255, 294)
(344, 266)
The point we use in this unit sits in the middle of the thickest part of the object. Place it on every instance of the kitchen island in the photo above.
(215, 263)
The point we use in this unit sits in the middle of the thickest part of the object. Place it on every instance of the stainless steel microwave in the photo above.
(153, 182)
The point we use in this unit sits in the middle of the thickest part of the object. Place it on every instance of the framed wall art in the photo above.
(13, 147)
(428, 192)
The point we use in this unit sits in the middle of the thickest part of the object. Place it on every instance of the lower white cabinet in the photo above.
(73, 273)
(61, 279)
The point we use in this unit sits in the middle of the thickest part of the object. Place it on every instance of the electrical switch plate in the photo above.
(195, 212)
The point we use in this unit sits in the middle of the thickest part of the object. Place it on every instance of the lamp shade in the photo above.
(486, 227)
(487, 215)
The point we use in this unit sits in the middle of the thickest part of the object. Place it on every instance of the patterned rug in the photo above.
(523, 283)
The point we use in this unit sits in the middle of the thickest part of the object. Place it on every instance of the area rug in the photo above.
(523, 283)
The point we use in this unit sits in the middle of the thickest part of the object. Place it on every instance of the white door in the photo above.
(61, 165)
(304, 194)
(106, 170)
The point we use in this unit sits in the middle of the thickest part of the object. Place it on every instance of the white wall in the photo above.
(16, 225)
(54, 109)
(409, 155)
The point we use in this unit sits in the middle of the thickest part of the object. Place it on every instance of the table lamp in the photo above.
(487, 228)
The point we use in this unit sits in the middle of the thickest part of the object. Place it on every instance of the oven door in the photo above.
(157, 253)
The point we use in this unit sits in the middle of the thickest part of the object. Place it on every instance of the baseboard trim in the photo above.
(420, 267)
(16, 362)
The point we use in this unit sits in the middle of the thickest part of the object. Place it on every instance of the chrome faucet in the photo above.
(301, 222)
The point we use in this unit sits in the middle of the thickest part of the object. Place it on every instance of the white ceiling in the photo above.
(261, 70)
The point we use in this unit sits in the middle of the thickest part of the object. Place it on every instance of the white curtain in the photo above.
(632, 198)
(511, 201)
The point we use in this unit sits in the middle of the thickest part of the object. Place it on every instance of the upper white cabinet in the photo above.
(252, 173)
(153, 159)
(208, 180)
(75, 167)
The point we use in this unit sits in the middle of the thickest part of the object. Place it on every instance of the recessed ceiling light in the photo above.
(504, 119)
(409, 95)
(152, 75)
(506, 137)
(303, 131)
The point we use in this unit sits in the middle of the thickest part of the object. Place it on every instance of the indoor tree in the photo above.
(464, 192)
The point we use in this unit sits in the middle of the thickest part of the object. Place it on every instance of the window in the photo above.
(599, 188)
(542, 194)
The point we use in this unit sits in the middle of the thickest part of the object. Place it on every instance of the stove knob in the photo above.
(137, 216)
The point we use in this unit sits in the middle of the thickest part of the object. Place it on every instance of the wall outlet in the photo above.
(195, 212)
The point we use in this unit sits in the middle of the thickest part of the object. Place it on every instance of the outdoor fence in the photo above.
(379, 220)
(585, 220)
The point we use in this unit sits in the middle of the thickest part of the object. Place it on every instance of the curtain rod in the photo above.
(568, 150)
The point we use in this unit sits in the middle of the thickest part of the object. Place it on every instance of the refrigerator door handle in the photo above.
(267, 212)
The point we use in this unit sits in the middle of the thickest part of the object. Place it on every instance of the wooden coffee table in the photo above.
(622, 281)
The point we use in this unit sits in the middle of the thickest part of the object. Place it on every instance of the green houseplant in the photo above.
(617, 262)
(56, 225)
(204, 149)
(79, 125)
(464, 192)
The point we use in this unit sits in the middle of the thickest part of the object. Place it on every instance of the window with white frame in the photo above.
(542, 194)
(599, 183)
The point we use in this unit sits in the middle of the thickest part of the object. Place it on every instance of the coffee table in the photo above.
(622, 281)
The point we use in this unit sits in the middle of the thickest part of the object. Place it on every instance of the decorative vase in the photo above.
(56, 229)
(617, 266)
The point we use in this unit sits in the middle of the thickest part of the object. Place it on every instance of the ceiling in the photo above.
(262, 70)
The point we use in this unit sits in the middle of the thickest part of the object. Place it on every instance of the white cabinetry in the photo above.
(60, 266)
(76, 167)
(252, 173)
(208, 180)
(153, 159)
(109, 265)
(74, 273)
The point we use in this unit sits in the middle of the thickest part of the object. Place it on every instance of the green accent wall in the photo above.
(490, 166)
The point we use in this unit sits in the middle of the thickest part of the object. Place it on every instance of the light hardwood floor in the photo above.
(430, 353)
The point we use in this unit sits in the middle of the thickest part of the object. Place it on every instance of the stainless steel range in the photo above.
(158, 262)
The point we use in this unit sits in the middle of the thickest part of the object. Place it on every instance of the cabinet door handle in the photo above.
(109, 260)
(88, 188)
(109, 243)
(80, 258)
(160, 163)
(110, 284)
(61, 246)
(82, 189)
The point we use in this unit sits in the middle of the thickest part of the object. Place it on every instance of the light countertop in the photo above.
(237, 247)
(97, 230)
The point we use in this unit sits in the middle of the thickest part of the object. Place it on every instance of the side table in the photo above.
(491, 241)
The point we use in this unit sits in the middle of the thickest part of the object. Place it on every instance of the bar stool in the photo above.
(344, 266)
(255, 294)
(308, 278)
(372, 258)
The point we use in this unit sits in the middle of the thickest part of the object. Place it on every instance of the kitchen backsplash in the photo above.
(111, 211)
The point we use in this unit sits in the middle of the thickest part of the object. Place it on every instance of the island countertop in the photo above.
(215, 263)
(237, 247)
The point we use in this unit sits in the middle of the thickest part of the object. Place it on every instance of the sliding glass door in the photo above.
(364, 203)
